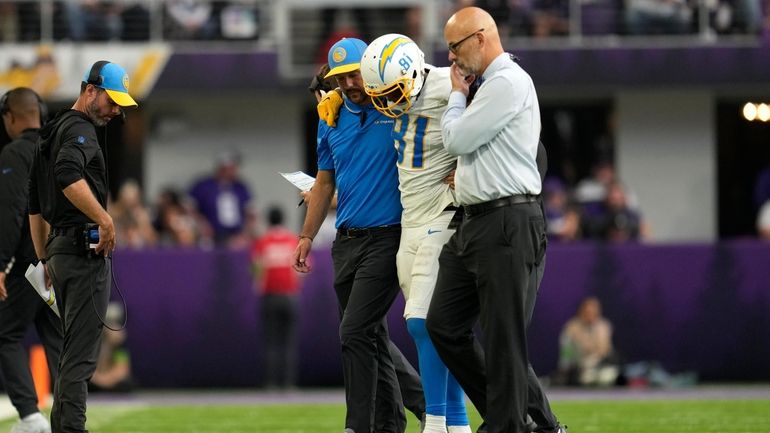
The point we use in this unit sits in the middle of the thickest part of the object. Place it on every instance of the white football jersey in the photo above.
(423, 163)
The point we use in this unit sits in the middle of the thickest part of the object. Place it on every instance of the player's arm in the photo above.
(306, 197)
(320, 199)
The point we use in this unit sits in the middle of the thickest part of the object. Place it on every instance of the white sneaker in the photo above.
(35, 423)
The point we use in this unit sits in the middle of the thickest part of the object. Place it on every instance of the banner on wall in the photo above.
(55, 71)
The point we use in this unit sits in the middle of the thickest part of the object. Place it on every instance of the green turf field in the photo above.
(672, 416)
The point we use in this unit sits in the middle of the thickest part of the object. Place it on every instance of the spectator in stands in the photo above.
(189, 19)
(615, 221)
(591, 192)
(176, 224)
(272, 258)
(224, 201)
(586, 356)
(563, 219)
(240, 20)
(131, 218)
(113, 367)
(136, 21)
(644, 17)
(762, 188)
(91, 20)
(763, 221)
(551, 18)
(8, 22)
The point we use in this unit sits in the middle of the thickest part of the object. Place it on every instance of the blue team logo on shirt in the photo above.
(81, 139)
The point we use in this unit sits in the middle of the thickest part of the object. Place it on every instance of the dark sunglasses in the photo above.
(454, 46)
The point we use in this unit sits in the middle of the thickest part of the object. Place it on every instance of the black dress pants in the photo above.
(490, 271)
(366, 285)
(18, 312)
(82, 285)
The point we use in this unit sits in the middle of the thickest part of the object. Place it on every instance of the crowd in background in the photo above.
(219, 210)
(130, 20)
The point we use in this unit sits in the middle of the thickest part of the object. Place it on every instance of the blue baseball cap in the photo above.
(113, 79)
(345, 56)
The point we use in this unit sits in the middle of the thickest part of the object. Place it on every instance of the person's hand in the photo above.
(305, 197)
(300, 255)
(460, 81)
(3, 291)
(329, 107)
(106, 238)
(450, 179)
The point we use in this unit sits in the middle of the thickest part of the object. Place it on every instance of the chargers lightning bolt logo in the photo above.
(387, 53)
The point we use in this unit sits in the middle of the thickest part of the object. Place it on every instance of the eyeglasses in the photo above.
(454, 46)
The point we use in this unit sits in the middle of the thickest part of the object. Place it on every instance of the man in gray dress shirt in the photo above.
(491, 267)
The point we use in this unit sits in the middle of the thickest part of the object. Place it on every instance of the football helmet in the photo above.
(393, 70)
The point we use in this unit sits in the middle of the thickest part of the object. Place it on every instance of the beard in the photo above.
(357, 96)
(94, 115)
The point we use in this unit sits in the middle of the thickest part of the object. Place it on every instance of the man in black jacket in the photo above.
(68, 190)
(20, 305)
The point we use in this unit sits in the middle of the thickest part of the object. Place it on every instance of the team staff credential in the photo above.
(68, 190)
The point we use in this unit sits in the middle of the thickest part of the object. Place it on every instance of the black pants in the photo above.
(490, 271)
(279, 325)
(82, 287)
(366, 285)
(18, 312)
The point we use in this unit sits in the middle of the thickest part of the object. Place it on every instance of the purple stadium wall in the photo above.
(192, 314)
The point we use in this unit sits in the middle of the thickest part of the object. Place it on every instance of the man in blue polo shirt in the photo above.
(357, 158)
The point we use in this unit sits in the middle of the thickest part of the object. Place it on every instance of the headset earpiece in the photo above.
(42, 109)
(4, 103)
(94, 75)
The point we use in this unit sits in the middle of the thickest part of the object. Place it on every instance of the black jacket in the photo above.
(68, 151)
(16, 249)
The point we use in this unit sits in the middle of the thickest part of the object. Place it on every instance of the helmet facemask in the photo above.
(394, 100)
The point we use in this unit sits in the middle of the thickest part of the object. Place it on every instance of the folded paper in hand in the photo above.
(36, 276)
(300, 179)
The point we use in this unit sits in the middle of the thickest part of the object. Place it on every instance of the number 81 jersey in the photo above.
(423, 163)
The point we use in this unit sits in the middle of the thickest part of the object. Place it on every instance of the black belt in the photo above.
(476, 209)
(67, 231)
(368, 231)
(451, 208)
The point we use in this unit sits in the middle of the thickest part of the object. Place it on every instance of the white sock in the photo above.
(459, 429)
(435, 424)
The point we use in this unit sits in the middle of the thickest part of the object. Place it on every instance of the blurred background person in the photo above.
(615, 221)
(223, 201)
(586, 355)
(176, 223)
(189, 19)
(272, 256)
(562, 217)
(763, 221)
(113, 367)
(132, 219)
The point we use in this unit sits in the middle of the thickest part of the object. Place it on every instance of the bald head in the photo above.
(479, 24)
(21, 111)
